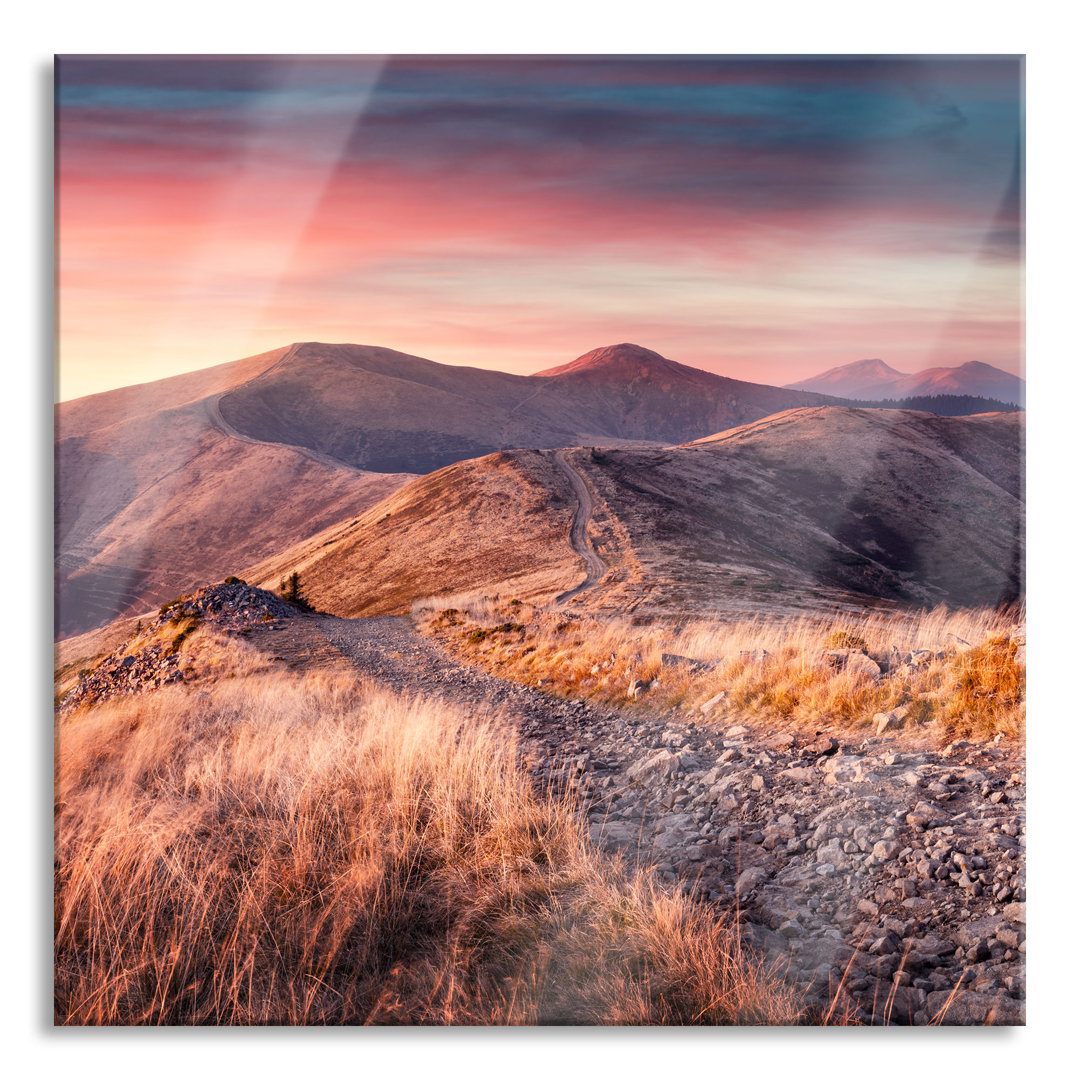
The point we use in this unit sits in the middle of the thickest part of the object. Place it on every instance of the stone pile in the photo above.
(229, 606)
(146, 661)
(122, 673)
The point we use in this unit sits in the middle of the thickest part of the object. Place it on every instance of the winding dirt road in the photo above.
(595, 566)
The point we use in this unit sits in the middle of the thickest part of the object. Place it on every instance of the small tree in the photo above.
(293, 591)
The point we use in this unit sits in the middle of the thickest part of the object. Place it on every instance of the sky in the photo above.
(763, 218)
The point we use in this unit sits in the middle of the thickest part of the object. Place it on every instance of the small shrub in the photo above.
(844, 639)
(921, 711)
(232, 579)
(180, 639)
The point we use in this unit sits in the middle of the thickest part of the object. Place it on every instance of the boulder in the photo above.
(861, 664)
(695, 665)
(822, 746)
(978, 931)
(708, 706)
(662, 763)
(750, 879)
(884, 850)
(892, 720)
(851, 661)
(968, 1007)
(1016, 913)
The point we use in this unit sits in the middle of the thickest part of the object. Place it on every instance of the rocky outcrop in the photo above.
(230, 605)
(153, 656)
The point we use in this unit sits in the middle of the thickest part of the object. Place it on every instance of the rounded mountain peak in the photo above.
(872, 365)
(614, 359)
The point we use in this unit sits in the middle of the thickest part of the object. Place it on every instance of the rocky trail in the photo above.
(887, 880)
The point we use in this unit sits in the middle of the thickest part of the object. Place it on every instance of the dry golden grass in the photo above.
(971, 684)
(287, 849)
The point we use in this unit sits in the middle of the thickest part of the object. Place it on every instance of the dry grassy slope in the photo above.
(151, 499)
(502, 520)
(807, 509)
(884, 503)
(384, 410)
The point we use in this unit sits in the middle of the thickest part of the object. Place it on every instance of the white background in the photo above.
(1040, 30)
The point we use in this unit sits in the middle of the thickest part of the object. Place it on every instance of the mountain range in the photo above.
(298, 456)
(382, 410)
(874, 380)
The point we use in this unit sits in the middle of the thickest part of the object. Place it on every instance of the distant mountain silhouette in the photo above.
(874, 380)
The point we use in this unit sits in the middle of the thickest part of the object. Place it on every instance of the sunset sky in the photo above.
(764, 219)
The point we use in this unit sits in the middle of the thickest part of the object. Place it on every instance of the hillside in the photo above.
(805, 509)
(898, 506)
(502, 518)
(152, 498)
(163, 487)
